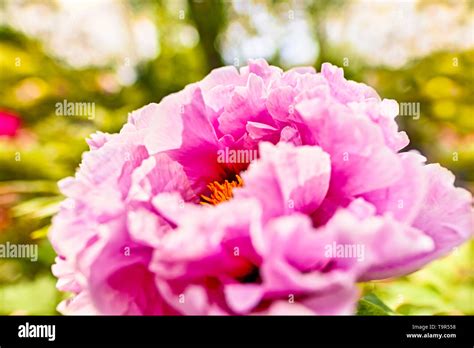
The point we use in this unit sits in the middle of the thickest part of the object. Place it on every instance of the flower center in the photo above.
(221, 192)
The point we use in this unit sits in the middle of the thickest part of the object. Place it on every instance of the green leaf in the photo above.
(372, 305)
(40, 233)
(38, 208)
(37, 186)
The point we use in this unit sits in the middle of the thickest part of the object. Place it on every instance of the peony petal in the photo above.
(296, 178)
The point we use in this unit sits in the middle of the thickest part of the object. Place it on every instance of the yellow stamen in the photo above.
(221, 192)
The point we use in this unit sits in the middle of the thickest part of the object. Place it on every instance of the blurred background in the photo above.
(123, 54)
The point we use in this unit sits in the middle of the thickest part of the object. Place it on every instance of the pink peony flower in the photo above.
(9, 123)
(169, 216)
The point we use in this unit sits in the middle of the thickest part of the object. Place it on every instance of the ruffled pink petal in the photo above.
(404, 198)
(80, 304)
(182, 129)
(346, 91)
(360, 160)
(295, 179)
(247, 105)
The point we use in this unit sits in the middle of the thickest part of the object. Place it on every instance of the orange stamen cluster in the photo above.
(221, 192)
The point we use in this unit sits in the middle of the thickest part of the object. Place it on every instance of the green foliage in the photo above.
(370, 304)
(31, 297)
